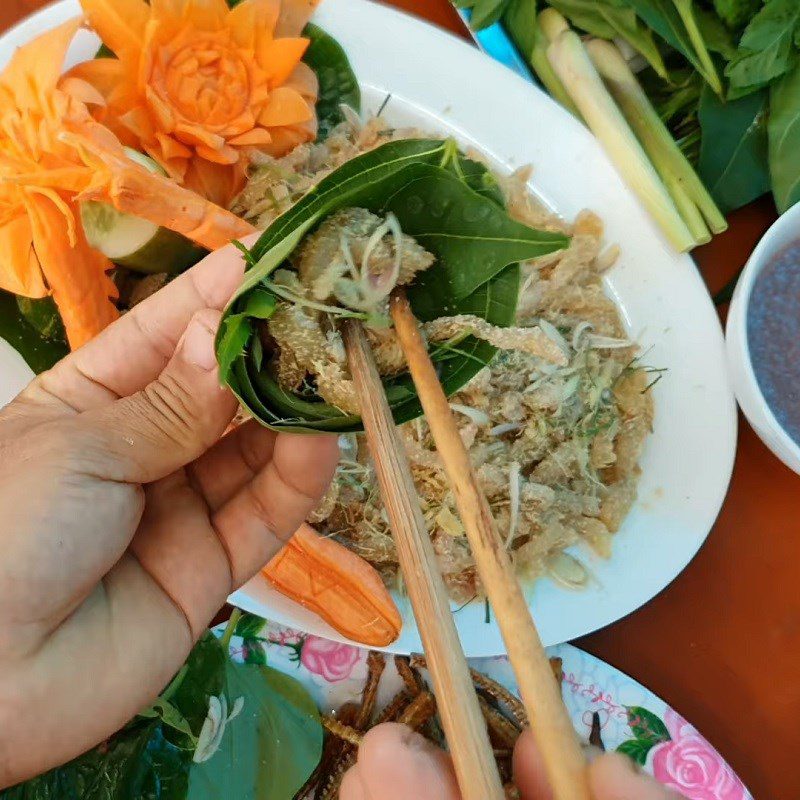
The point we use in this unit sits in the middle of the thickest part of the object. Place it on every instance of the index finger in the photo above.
(132, 351)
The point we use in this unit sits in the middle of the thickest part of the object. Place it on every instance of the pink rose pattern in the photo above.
(690, 765)
(332, 660)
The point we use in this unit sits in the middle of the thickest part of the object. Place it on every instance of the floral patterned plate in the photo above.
(633, 719)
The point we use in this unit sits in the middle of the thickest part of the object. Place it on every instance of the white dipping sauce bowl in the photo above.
(751, 400)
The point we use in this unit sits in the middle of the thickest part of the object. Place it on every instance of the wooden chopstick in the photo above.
(555, 735)
(464, 727)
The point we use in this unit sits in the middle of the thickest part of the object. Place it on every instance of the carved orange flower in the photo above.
(197, 85)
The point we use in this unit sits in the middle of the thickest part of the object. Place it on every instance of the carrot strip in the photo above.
(336, 584)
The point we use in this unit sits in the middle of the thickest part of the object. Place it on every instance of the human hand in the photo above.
(395, 763)
(125, 520)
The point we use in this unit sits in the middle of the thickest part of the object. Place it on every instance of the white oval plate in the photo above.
(632, 719)
(440, 83)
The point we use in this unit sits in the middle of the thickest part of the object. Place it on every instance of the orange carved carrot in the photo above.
(336, 584)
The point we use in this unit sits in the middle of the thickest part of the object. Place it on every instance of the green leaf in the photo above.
(608, 19)
(249, 625)
(270, 749)
(43, 315)
(453, 207)
(717, 37)
(204, 678)
(766, 49)
(646, 725)
(520, 21)
(170, 716)
(663, 17)
(338, 84)
(736, 13)
(260, 305)
(39, 352)
(236, 331)
(637, 749)
(784, 139)
(733, 151)
(486, 12)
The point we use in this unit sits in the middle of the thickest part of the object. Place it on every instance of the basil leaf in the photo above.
(784, 139)
(268, 751)
(39, 352)
(453, 207)
(338, 84)
(766, 50)
(733, 150)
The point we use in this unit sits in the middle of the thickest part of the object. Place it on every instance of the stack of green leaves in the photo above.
(264, 746)
(453, 207)
(724, 76)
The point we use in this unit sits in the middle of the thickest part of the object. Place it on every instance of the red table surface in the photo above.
(722, 643)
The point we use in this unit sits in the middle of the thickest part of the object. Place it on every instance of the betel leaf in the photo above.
(766, 49)
(733, 150)
(784, 139)
(39, 352)
(646, 725)
(637, 749)
(453, 207)
(268, 751)
(338, 84)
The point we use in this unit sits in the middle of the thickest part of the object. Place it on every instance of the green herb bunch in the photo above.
(724, 76)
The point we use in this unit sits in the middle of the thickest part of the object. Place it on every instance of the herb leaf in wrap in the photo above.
(453, 208)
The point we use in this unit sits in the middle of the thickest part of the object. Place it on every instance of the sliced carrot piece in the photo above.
(76, 273)
(333, 582)
(19, 271)
(119, 23)
(279, 57)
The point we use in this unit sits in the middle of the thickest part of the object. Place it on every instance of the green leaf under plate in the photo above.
(338, 84)
(270, 749)
(39, 352)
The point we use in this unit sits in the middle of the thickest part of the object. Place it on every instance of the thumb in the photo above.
(173, 420)
(614, 777)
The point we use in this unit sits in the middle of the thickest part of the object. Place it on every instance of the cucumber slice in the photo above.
(133, 242)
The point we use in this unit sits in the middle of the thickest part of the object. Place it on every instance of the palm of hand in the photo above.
(126, 520)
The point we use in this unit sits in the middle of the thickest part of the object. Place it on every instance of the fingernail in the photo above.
(197, 344)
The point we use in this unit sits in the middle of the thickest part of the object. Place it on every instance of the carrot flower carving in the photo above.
(197, 85)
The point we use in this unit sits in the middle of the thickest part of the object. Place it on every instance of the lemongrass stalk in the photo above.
(544, 71)
(655, 137)
(552, 24)
(684, 8)
(687, 209)
(573, 66)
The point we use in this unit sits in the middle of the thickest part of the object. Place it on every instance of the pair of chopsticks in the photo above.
(463, 723)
